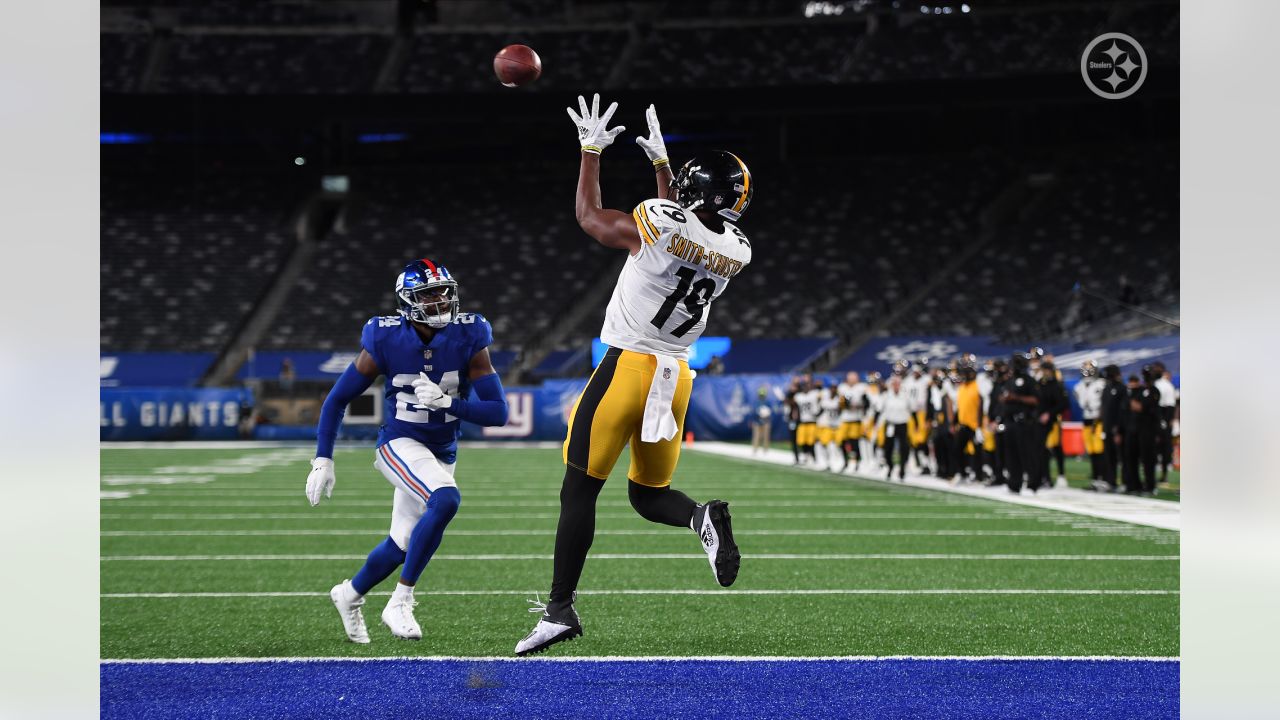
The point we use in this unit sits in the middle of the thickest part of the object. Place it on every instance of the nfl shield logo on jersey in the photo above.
(426, 354)
(666, 373)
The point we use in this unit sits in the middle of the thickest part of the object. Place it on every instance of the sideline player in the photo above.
(809, 402)
(853, 406)
(682, 252)
(432, 356)
(829, 429)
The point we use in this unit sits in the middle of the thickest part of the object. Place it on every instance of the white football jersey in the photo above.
(830, 405)
(916, 390)
(853, 396)
(1089, 395)
(809, 405)
(664, 292)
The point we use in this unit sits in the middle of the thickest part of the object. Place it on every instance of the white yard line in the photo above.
(755, 516)
(1123, 508)
(472, 503)
(722, 593)
(662, 556)
(1136, 533)
(640, 658)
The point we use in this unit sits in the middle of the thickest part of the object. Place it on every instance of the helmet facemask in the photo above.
(434, 304)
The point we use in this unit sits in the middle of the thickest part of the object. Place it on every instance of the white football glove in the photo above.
(321, 480)
(978, 437)
(593, 136)
(430, 396)
(653, 145)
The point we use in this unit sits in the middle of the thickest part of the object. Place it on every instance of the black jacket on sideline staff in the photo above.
(1020, 419)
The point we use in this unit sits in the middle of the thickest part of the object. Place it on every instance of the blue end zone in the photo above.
(645, 689)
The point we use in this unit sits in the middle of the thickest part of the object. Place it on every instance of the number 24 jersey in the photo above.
(664, 292)
(400, 355)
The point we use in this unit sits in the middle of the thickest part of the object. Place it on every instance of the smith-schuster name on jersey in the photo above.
(401, 355)
(664, 293)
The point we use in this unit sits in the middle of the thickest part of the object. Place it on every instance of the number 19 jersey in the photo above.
(664, 292)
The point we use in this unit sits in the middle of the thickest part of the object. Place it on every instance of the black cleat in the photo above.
(712, 523)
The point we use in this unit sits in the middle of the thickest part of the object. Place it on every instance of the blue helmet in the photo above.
(427, 293)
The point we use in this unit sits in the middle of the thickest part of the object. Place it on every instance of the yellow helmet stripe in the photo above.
(746, 184)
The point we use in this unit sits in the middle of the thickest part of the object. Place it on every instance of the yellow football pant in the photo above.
(807, 434)
(850, 431)
(608, 415)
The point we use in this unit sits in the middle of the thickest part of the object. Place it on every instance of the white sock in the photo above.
(402, 592)
(349, 591)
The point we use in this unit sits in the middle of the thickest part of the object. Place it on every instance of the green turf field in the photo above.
(832, 566)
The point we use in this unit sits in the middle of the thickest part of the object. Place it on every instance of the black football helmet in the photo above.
(718, 181)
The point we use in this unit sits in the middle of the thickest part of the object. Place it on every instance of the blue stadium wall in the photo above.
(719, 409)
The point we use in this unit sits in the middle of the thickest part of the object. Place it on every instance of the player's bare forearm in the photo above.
(610, 228)
(664, 178)
(366, 365)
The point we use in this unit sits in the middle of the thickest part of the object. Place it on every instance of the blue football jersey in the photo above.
(400, 354)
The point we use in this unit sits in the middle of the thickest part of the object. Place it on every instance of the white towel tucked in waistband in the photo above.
(659, 422)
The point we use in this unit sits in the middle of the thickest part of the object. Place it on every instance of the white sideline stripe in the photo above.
(1121, 508)
(999, 516)
(662, 556)
(820, 591)
(300, 445)
(639, 658)
(1091, 534)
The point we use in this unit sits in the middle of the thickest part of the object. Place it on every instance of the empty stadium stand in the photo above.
(519, 257)
(184, 263)
(1107, 221)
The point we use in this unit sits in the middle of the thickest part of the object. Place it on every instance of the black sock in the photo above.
(661, 505)
(576, 530)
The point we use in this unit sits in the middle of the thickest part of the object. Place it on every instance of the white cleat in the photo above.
(398, 617)
(349, 602)
(549, 631)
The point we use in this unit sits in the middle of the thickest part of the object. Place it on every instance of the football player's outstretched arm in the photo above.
(611, 228)
(357, 378)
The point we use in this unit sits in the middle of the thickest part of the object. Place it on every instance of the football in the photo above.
(517, 65)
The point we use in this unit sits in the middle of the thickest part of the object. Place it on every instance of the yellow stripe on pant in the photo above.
(608, 415)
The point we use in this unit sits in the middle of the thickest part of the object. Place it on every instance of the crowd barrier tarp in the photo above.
(171, 413)
(879, 354)
(323, 365)
(155, 369)
(720, 408)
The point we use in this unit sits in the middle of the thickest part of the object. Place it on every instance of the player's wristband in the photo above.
(661, 163)
(594, 150)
